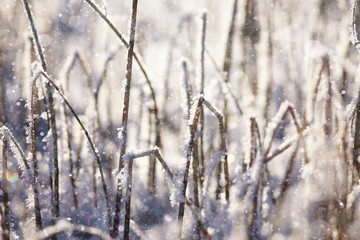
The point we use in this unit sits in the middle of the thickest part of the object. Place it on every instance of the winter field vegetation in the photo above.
(166, 119)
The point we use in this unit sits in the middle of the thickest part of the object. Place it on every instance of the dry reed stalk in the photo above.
(254, 140)
(189, 148)
(356, 147)
(124, 126)
(355, 24)
(228, 58)
(2, 92)
(355, 41)
(152, 161)
(250, 37)
(198, 157)
(5, 216)
(187, 89)
(286, 182)
(50, 102)
(269, 85)
(33, 122)
(328, 100)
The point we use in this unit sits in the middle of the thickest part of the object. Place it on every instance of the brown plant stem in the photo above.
(5, 217)
(124, 125)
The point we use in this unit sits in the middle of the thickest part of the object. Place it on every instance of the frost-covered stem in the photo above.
(313, 99)
(4, 130)
(222, 132)
(189, 146)
(228, 59)
(128, 200)
(32, 136)
(94, 184)
(282, 148)
(124, 125)
(252, 195)
(285, 184)
(328, 102)
(36, 36)
(355, 24)
(229, 43)
(51, 109)
(5, 217)
(253, 230)
(187, 88)
(92, 146)
(356, 148)
(284, 109)
(2, 93)
(202, 57)
(253, 133)
(251, 36)
(78, 156)
(152, 161)
(195, 165)
(225, 83)
(269, 85)
(201, 164)
(142, 68)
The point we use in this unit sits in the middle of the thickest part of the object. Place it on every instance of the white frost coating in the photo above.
(194, 108)
(353, 197)
(121, 134)
(122, 177)
(15, 150)
(274, 123)
(176, 190)
(29, 101)
(128, 157)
